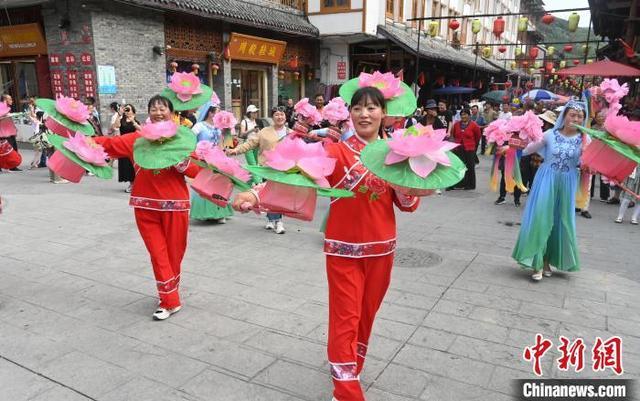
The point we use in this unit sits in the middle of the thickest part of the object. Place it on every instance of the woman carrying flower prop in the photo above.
(360, 236)
(308, 116)
(226, 122)
(9, 158)
(336, 113)
(7, 127)
(160, 197)
(209, 137)
(548, 235)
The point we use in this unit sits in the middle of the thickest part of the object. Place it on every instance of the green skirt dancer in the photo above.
(202, 209)
(548, 231)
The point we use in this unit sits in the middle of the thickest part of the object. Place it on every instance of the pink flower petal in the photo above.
(422, 165)
(393, 158)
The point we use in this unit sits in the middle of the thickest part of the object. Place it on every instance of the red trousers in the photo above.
(165, 236)
(356, 289)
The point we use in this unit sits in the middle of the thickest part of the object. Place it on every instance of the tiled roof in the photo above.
(434, 49)
(256, 13)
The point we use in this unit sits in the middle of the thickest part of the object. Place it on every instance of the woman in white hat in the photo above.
(249, 125)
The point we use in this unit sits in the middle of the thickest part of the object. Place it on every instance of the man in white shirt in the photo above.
(505, 112)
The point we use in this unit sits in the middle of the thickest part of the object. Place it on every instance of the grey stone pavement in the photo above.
(76, 297)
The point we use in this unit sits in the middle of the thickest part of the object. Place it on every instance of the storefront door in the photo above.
(248, 87)
(19, 79)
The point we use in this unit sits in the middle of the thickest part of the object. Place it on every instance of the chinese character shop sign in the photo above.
(342, 70)
(253, 48)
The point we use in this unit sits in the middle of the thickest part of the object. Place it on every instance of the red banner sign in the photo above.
(72, 80)
(69, 59)
(56, 83)
(89, 83)
(86, 59)
(342, 70)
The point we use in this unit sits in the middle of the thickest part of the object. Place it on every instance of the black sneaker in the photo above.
(613, 201)
(500, 201)
(15, 169)
(517, 203)
(585, 214)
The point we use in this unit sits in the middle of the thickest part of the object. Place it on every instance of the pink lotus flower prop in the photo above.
(308, 111)
(528, 127)
(388, 84)
(215, 157)
(159, 131)
(293, 155)
(215, 100)
(4, 109)
(613, 91)
(623, 129)
(497, 132)
(73, 109)
(87, 149)
(425, 150)
(185, 85)
(336, 111)
(224, 120)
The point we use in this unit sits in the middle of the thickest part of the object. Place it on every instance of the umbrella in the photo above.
(453, 90)
(495, 96)
(539, 94)
(603, 68)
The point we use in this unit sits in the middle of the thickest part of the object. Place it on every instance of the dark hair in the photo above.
(280, 109)
(158, 99)
(476, 106)
(114, 106)
(90, 100)
(209, 111)
(465, 111)
(318, 94)
(129, 105)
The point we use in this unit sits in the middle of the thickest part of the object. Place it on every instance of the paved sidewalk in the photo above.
(77, 293)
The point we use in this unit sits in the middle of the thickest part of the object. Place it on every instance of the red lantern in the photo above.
(440, 80)
(422, 79)
(214, 69)
(548, 19)
(508, 84)
(502, 48)
(529, 85)
(498, 27)
(533, 52)
(568, 48)
(293, 63)
(454, 24)
(548, 66)
(517, 91)
(525, 64)
(576, 62)
(505, 99)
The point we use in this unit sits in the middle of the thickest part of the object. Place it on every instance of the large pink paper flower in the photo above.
(159, 130)
(425, 150)
(185, 85)
(214, 156)
(623, 129)
(497, 132)
(388, 84)
(310, 114)
(335, 111)
(528, 126)
(4, 109)
(73, 109)
(224, 120)
(613, 91)
(87, 149)
(293, 155)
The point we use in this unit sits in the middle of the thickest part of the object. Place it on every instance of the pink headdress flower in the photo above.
(4, 109)
(497, 132)
(423, 147)
(335, 111)
(308, 111)
(294, 155)
(623, 129)
(215, 100)
(185, 85)
(388, 84)
(215, 157)
(86, 149)
(73, 109)
(224, 120)
(159, 131)
(613, 91)
(528, 126)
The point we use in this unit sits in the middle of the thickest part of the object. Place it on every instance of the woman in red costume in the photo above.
(360, 241)
(160, 199)
(9, 158)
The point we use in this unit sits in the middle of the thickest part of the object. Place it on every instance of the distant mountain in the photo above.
(558, 31)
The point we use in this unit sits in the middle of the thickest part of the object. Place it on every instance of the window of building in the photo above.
(334, 5)
(390, 8)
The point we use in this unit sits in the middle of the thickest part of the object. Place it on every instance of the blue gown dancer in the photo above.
(548, 232)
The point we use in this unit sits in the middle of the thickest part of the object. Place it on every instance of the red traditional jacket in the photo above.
(9, 158)
(163, 190)
(365, 225)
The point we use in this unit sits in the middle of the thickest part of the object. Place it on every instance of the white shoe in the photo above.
(163, 313)
(128, 189)
(270, 225)
(222, 220)
(537, 276)
(279, 228)
(60, 181)
(547, 273)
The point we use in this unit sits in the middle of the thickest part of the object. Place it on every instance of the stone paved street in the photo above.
(77, 294)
